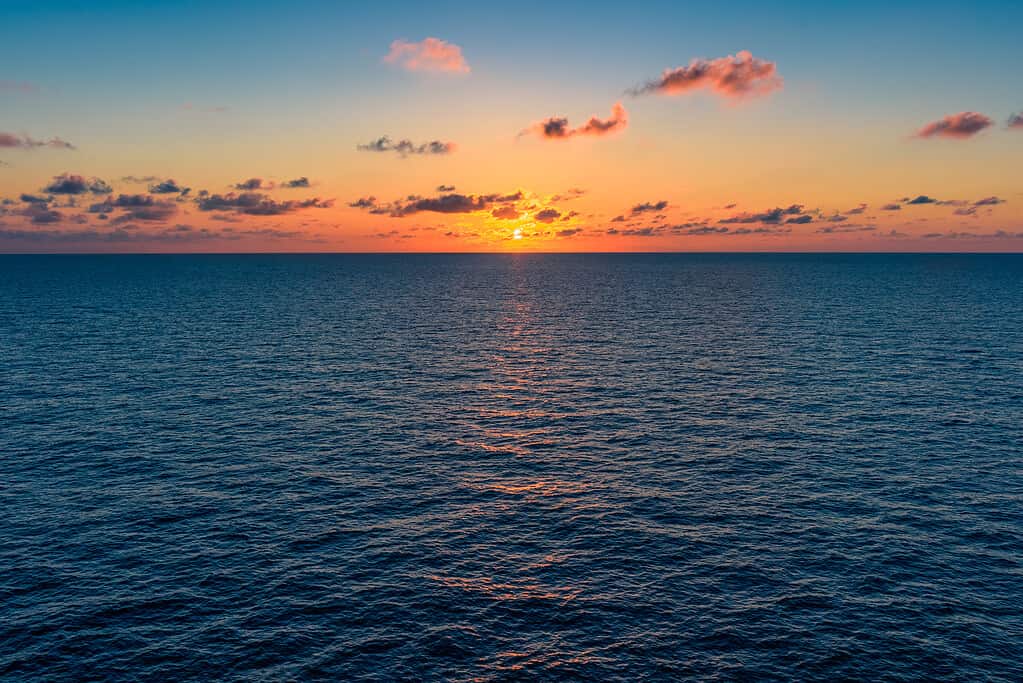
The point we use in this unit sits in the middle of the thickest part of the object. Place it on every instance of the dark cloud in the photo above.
(445, 203)
(1016, 121)
(773, 216)
(364, 203)
(922, 199)
(505, 212)
(618, 219)
(257, 204)
(168, 186)
(68, 183)
(989, 201)
(844, 229)
(297, 183)
(962, 125)
(858, 210)
(736, 76)
(140, 207)
(800, 220)
(131, 234)
(12, 141)
(891, 207)
(547, 215)
(557, 127)
(649, 206)
(405, 147)
(570, 194)
(33, 199)
(445, 188)
(569, 232)
(41, 214)
(254, 184)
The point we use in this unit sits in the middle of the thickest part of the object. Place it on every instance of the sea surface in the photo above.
(511, 467)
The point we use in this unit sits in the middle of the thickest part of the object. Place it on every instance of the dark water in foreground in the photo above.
(477, 468)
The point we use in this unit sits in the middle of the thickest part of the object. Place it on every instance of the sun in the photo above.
(517, 235)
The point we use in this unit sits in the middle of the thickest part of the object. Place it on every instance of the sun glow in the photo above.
(517, 235)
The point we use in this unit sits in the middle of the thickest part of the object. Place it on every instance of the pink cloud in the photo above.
(432, 54)
(1016, 121)
(736, 77)
(962, 125)
(557, 128)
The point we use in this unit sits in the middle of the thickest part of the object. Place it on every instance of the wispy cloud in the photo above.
(431, 54)
(12, 141)
(647, 207)
(405, 147)
(794, 213)
(735, 77)
(958, 126)
(558, 128)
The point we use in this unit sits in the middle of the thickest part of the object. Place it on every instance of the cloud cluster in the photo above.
(12, 141)
(735, 77)
(69, 183)
(405, 147)
(430, 54)
(558, 128)
(794, 214)
(444, 203)
(958, 126)
(168, 186)
(257, 204)
(649, 207)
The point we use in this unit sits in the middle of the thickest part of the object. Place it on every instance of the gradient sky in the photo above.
(859, 108)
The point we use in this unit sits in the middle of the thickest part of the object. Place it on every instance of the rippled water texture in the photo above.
(479, 468)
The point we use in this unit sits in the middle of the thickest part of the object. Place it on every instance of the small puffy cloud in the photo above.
(558, 128)
(431, 54)
(505, 213)
(569, 232)
(922, 199)
(800, 220)
(405, 147)
(892, 207)
(962, 125)
(297, 183)
(168, 186)
(253, 184)
(649, 206)
(1016, 121)
(445, 188)
(32, 199)
(69, 183)
(736, 77)
(40, 214)
(364, 203)
(547, 215)
(12, 141)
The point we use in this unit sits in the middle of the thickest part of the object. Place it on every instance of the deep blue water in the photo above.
(481, 468)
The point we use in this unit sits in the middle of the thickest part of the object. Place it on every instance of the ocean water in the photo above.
(511, 467)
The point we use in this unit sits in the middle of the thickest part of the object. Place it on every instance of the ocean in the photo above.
(511, 467)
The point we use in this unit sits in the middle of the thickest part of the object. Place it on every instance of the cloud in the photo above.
(891, 207)
(989, 201)
(506, 213)
(547, 215)
(648, 206)
(432, 54)
(445, 188)
(800, 220)
(32, 199)
(12, 141)
(364, 203)
(922, 199)
(1016, 121)
(858, 210)
(40, 214)
(67, 183)
(569, 232)
(254, 184)
(140, 207)
(557, 127)
(444, 203)
(127, 234)
(569, 194)
(257, 204)
(405, 147)
(297, 183)
(168, 186)
(844, 229)
(736, 77)
(772, 216)
(962, 125)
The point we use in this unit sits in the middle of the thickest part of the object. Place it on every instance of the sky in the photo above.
(455, 126)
